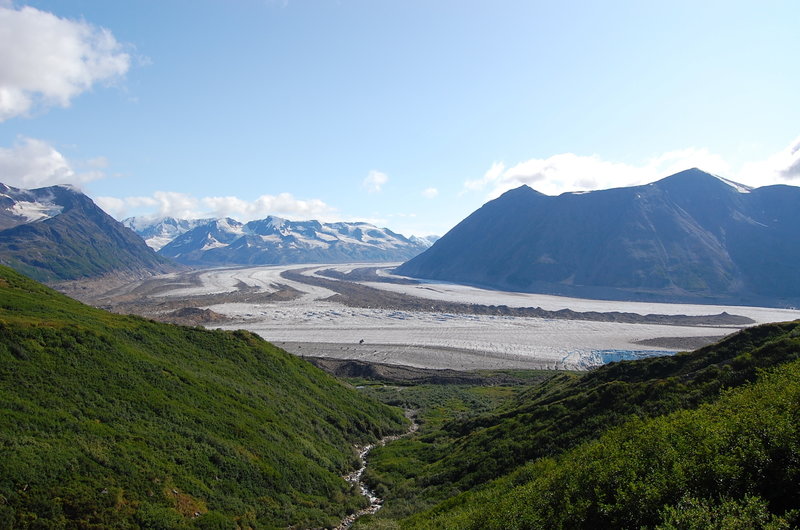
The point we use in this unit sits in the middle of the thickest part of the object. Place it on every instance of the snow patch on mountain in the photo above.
(21, 206)
(741, 188)
(211, 242)
(35, 211)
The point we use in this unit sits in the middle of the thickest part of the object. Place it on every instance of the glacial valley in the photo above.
(428, 324)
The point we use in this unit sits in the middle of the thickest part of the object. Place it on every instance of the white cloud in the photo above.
(112, 206)
(781, 168)
(374, 181)
(430, 193)
(160, 204)
(47, 61)
(571, 172)
(674, 161)
(32, 163)
(184, 206)
(284, 205)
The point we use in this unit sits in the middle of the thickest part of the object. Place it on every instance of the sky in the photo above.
(406, 114)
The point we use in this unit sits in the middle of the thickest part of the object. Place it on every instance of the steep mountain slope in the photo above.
(273, 241)
(158, 232)
(110, 421)
(567, 412)
(690, 236)
(58, 233)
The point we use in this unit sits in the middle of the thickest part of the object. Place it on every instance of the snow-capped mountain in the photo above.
(425, 241)
(215, 233)
(58, 233)
(159, 231)
(277, 241)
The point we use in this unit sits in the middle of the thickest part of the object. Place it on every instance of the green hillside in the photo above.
(561, 415)
(116, 421)
(733, 463)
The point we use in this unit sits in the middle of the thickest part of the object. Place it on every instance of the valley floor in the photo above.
(307, 311)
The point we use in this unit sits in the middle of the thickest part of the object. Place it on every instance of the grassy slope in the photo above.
(566, 411)
(109, 420)
(732, 463)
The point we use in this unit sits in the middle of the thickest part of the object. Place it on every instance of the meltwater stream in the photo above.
(355, 477)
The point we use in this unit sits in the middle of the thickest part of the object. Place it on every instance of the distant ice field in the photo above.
(310, 325)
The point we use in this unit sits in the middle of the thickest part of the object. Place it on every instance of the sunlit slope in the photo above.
(112, 420)
(570, 410)
(733, 463)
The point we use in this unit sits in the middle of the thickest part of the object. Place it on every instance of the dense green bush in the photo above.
(112, 421)
(566, 411)
(734, 463)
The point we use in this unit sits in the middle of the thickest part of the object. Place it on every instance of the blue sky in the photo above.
(409, 114)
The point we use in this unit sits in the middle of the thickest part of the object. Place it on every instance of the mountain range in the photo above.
(160, 231)
(272, 241)
(691, 236)
(57, 233)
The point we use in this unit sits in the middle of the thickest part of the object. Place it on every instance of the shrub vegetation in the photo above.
(117, 421)
(700, 436)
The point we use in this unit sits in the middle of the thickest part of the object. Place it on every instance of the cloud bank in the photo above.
(782, 167)
(32, 163)
(47, 61)
(571, 172)
(185, 206)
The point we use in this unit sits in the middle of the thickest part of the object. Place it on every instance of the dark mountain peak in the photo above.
(692, 172)
(521, 197)
(689, 236)
(523, 191)
(58, 233)
(687, 177)
(697, 180)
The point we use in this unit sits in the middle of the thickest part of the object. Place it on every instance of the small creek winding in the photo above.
(355, 477)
